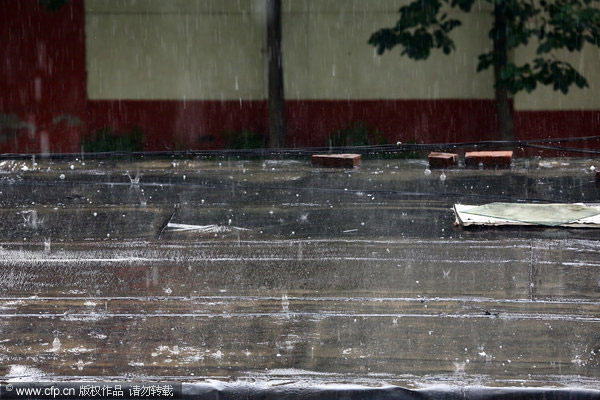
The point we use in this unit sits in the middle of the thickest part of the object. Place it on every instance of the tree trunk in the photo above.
(504, 110)
(506, 128)
(276, 97)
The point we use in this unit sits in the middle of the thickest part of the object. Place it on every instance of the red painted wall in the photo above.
(170, 124)
(199, 124)
(424, 121)
(43, 76)
(547, 124)
(178, 125)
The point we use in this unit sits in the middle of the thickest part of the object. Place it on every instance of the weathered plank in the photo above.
(217, 345)
(401, 268)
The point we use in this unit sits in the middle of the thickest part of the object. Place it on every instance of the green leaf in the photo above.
(559, 24)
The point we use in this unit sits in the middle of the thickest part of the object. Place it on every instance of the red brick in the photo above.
(336, 160)
(488, 158)
(442, 160)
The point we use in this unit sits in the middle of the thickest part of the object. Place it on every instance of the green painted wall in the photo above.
(216, 50)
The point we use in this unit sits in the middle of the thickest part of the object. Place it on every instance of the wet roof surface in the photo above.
(278, 271)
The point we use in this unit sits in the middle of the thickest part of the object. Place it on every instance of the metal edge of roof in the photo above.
(350, 392)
